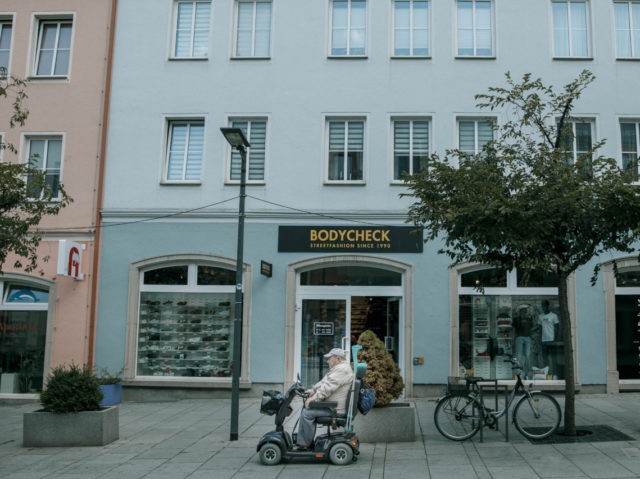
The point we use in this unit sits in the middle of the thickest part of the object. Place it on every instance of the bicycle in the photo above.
(461, 412)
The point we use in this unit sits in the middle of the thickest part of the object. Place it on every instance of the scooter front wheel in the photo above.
(341, 454)
(270, 454)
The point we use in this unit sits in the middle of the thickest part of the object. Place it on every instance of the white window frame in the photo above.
(4, 21)
(611, 290)
(475, 30)
(511, 289)
(571, 29)
(411, 119)
(19, 306)
(411, 30)
(574, 153)
(136, 287)
(40, 20)
(174, 41)
(252, 149)
(477, 147)
(253, 31)
(636, 124)
(631, 31)
(28, 137)
(170, 122)
(349, 29)
(346, 120)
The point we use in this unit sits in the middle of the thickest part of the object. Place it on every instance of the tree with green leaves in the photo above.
(26, 195)
(526, 202)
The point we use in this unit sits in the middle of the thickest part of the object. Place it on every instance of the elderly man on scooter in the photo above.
(334, 386)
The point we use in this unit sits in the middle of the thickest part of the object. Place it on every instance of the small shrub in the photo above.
(105, 377)
(71, 389)
(383, 374)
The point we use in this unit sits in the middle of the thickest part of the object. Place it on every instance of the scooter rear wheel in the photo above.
(270, 454)
(341, 454)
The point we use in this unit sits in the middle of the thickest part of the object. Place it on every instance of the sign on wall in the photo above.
(350, 239)
(70, 259)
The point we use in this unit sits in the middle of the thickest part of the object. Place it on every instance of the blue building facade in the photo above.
(338, 98)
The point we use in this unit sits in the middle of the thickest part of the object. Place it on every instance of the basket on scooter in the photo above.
(271, 402)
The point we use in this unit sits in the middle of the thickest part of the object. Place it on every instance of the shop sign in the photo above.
(266, 269)
(70, 259)
(322, 328)
(350, 239)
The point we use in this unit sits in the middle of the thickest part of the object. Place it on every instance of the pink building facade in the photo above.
(63, 48)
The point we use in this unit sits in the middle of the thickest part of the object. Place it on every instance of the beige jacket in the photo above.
(335, 385)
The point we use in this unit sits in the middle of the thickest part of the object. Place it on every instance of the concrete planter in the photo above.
(87, 428)
(393, 423)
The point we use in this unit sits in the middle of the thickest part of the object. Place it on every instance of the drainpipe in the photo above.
(95, 268)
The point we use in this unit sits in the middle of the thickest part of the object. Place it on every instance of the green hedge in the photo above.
(71, 389)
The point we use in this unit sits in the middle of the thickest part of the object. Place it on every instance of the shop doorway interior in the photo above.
(379, 314)
(338, 323)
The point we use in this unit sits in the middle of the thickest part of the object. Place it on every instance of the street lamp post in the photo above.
(238, 141)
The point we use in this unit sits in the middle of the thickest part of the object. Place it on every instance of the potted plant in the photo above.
(388, 421)
(71, 414)
(110, 385)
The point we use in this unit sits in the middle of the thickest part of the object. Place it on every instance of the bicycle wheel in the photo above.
(458, 417)
(537, 415)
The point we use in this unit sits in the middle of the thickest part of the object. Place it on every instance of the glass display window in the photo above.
(627, 307)
(23, 331)
(185, 322)
(497, 323)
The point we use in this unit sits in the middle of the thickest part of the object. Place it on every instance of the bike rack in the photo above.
(496, 389)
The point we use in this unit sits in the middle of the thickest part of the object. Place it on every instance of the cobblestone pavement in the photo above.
(189, 439)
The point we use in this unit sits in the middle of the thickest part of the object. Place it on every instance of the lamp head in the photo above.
(235, 137)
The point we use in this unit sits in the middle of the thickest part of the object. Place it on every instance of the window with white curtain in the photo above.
(255, 130)
(53, 48)
(348, 27)
(411, 28)
(630, 141)
(45, 154)
(185, 149)
(627, 19)
(473, 134)
(410, 145)
(570, 28)
(346, 150)
(253, 30)
(192, 29)
(475, 28)
(5, 46)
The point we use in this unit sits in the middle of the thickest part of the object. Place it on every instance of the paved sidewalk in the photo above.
(189, 439)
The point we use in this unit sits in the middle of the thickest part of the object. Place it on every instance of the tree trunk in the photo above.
(569, 370)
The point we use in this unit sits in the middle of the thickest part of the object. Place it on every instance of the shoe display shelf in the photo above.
(184, 340)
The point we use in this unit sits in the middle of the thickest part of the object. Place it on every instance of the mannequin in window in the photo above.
(523, 327)
(548, 322)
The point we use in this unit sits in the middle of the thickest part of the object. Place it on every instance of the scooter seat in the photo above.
(335, 420)
(323, 404)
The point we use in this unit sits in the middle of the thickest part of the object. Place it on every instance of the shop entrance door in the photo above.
(337, 322)
(324, 325)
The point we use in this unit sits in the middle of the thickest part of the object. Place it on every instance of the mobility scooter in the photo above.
(340, 447)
